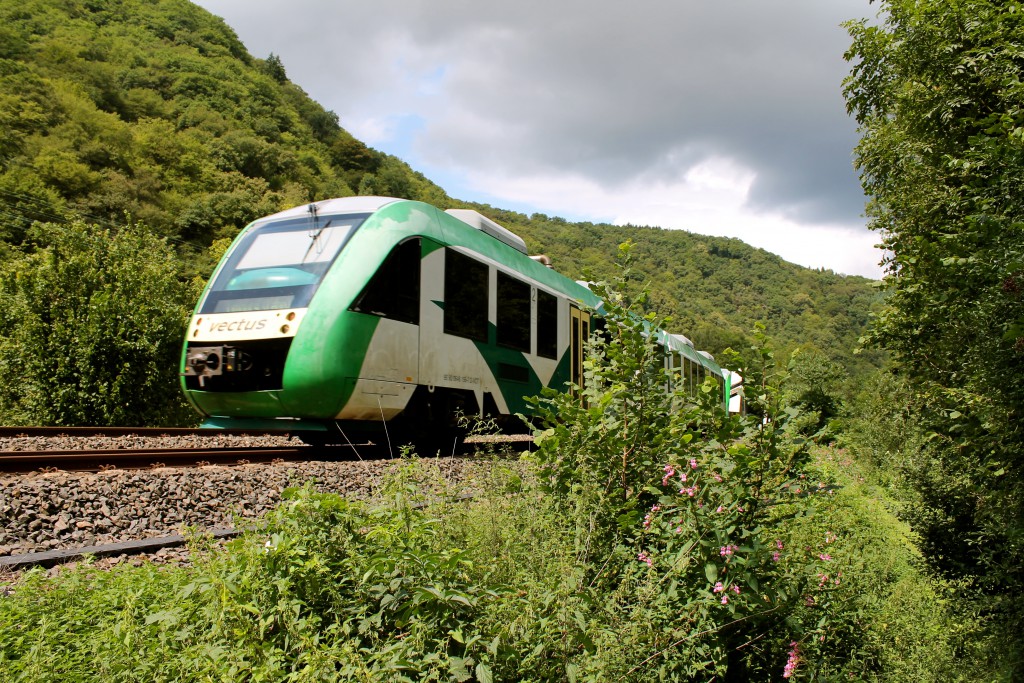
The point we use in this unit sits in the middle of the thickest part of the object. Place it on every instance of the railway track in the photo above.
(9, 432)
(54, 519)
(15, 457)
(100, 459)
(69, 449)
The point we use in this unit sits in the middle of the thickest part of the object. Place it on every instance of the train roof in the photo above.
(357, 204)
(475, 219)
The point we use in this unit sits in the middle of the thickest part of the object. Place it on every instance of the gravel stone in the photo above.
(51, 510)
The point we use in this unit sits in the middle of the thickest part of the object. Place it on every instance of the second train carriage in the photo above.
(356, 311)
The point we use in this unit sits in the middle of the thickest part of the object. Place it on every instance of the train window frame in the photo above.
(466, 307)
(393, 291)
(547, 325)
(513, 313)
(222, 297)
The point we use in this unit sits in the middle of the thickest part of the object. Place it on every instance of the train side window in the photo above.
(513, 313)
(394, 290)
(465, 296)
(547, 325)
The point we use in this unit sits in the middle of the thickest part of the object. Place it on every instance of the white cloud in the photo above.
(709, 199)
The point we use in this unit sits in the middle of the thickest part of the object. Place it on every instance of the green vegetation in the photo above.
(651, 537)
(91, 328)
(937, 91)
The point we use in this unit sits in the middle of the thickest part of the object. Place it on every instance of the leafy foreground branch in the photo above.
(650, 537)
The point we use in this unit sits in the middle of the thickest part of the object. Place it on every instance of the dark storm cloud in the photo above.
(605, 90)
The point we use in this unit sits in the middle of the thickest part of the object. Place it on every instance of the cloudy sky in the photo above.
(719, 117)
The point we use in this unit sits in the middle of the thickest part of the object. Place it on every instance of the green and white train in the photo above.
(349, 313)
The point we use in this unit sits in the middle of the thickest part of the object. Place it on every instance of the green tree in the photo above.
(274, 67)
(91, 330)
(816, 387)
(937, 91)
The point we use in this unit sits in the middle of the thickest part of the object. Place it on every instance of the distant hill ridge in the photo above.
(156, 110)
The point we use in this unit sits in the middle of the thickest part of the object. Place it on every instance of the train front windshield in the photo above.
(280, 264)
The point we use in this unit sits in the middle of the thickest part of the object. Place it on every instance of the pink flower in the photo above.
(778, 544)
(794, 660)
(825, 556)
(728, 550)
(775, 556)
(669, 471)
(725, 599)
(717, 477)
(682, 477)
(649, 517)
(720, 509)
(693, 463)
(719, 587)
(644, 557)
(735, 588)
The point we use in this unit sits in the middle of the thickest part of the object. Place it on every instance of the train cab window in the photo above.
(547, 325)
(513, 313)
(394, 290)
(465, 296)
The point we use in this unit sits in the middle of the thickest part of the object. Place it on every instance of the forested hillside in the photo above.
(155, 110)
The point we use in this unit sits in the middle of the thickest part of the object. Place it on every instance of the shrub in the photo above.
(91, 330)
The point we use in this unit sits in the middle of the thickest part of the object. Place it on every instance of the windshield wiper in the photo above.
(314, 234)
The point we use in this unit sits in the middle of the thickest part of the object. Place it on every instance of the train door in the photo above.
(389, 370)
(579, 333)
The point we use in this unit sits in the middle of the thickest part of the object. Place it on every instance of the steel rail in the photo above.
(135, 431)
(49, 558)
(93, 460)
